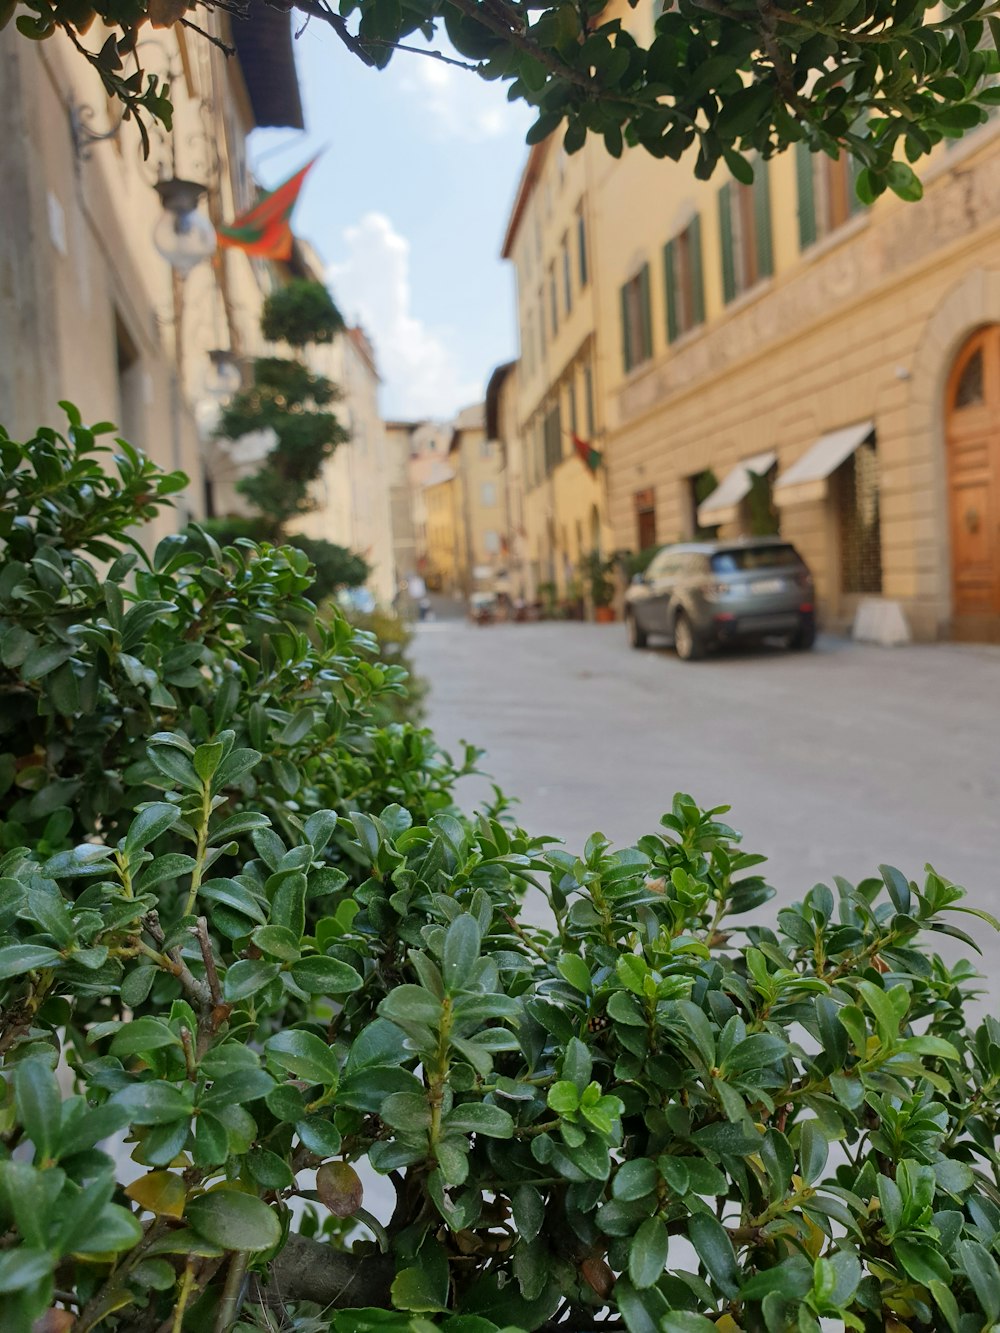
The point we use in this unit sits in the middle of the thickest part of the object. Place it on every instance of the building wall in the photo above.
(88, 310)
(861, 325)
(482, 496)
(557, 393)
(833, 338)
(445, 534)
(429, 441)
(352, 495)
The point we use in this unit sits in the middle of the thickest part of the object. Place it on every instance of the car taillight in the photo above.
(713, 591)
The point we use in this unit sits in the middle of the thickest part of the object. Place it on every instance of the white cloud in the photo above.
(372, 287)
(459, 104)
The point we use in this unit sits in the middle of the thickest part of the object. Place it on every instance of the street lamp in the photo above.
(183, 236)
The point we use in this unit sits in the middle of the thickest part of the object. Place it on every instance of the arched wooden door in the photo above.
(973, 442)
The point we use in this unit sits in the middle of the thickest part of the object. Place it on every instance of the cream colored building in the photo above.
(428, 443)
(89, 311)
(830, 369)
(478, 464)
(458, 503)
(558, 394)
(444, 528)
(352, 496)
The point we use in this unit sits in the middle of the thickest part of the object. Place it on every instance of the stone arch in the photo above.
(970, 304)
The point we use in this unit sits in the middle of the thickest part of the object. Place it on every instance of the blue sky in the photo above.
(407, 208)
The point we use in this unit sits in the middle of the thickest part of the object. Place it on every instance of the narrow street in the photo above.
(832, 762)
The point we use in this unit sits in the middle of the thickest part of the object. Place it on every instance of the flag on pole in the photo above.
(265, 231)
(590, 457)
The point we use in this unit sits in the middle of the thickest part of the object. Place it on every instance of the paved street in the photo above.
(832, 761)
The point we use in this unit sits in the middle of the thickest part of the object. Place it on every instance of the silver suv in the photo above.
(702, 595)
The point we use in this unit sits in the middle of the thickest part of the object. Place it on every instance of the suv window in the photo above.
(755, 557)
(661, 565)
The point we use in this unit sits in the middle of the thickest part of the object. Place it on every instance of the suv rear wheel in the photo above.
(804, 637)
(637, 638)
(688, 644)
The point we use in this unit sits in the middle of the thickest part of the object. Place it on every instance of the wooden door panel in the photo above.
(973, 441)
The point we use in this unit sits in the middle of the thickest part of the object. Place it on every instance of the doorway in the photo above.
(972, 433)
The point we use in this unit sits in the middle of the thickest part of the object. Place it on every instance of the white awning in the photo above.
(806, 480)
(722, 506)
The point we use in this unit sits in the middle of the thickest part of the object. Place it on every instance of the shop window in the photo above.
(855, 486)
(760, 514)
(745, 231)
(637, 323)
(827, 197)
(700, 487)
(645, 519)
(685, 288)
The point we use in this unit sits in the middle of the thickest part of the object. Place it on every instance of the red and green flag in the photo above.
(591, 458)
(265, 230)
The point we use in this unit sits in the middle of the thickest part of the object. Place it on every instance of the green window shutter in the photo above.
(762, 220)
(807, 195)
(726, 242)
(626, 335)
(854, 168)
(647, 313)
(697, 276)
(669, 251)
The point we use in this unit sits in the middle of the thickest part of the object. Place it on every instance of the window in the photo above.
(855, 489)
(491, 542)
(645, 519)
(588, 400)
(553, 439)
(827, 197)
(541, 323)
(574, 424)
(529, 343)
(553, 301)
(488, 494)
(755, 557)
(685, 286)
(581, 246)
(637, 323)
(662, 565)
(485, 448)
(745, 232)
(567, 274)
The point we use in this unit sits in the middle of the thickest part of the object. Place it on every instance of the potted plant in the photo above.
(600, 577)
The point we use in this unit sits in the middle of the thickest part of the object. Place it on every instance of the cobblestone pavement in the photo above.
(832, 761)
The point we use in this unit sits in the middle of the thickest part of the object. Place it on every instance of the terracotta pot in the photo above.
(604, 615)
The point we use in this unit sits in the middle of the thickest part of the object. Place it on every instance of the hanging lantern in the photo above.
(183, 236)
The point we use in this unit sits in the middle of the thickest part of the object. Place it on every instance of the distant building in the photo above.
(478, 465)
(352, 496)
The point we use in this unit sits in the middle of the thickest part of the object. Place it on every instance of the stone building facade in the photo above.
(778, 358)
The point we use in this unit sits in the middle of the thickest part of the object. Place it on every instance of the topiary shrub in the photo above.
(249, 951)
(299, 313)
